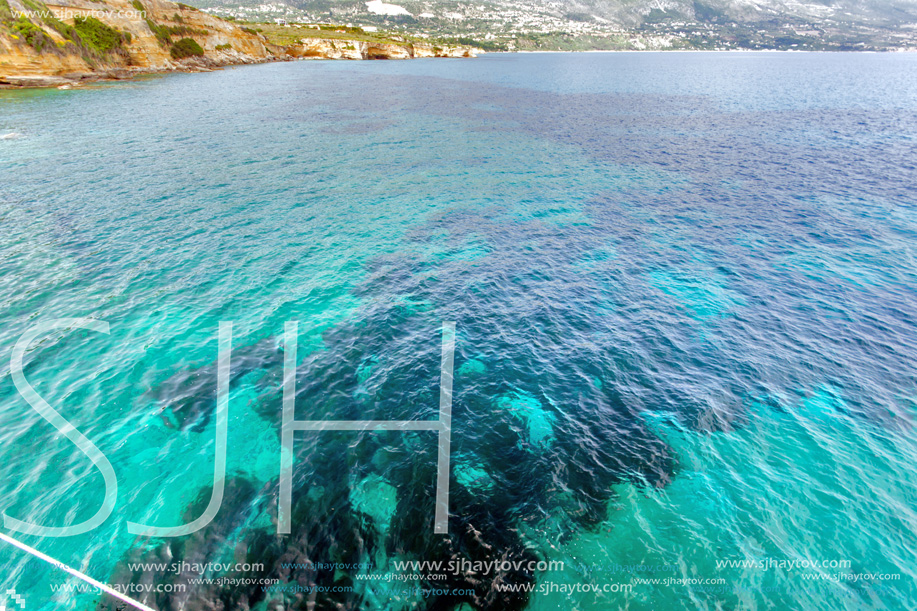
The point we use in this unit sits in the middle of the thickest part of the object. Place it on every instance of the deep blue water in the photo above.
(685, 294)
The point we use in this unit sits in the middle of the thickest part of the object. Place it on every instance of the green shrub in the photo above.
(249, 30)
(136, 4)
(34, 6)
(98, 36)
(161, 33)
(186, 47)
(342, 28)
(63, 29)
(225, 47)
(89, 37)
(177, 18)
(185, 7)
(164, 33)
(32, 34)
(183, 30)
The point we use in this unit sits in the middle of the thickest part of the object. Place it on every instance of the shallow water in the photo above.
(684, 287)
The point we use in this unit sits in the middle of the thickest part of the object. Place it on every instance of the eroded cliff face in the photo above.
(39, 44)
(322, 48)
(65, 42)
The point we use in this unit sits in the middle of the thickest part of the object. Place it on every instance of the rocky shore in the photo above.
(322, 48)
(66, 43)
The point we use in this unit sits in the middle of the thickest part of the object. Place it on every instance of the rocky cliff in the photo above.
(65, 42)
(71, 40)
(361, 49)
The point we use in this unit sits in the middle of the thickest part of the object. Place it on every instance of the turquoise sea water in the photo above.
(686, 301)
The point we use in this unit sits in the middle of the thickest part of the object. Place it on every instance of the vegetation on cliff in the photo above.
(38, 49)
(31, 34)
(186, 47)
(286, 35)
(164, 33)
(98, 36)
(88, 37)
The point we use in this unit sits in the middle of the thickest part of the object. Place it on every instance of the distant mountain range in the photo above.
(628, 13)
(634, 12)
(612, 24)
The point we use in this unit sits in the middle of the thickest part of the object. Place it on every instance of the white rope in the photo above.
(75, 573)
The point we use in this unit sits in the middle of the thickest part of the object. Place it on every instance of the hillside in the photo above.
(613, 24)
(85, 39)
(71, 41)
(343, 42)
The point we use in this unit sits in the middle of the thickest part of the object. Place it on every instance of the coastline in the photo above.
(323, 49)
(69, 43)
(80, 79)
(77, 80)
(644, 51)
